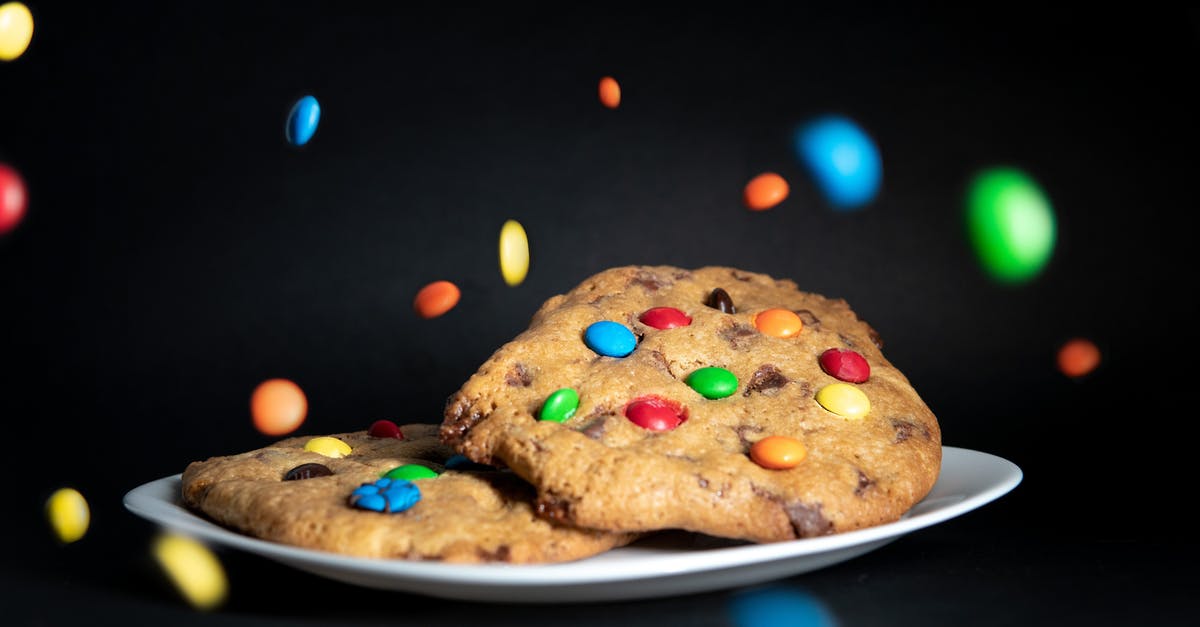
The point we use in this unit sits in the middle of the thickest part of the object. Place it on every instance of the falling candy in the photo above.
(436, 299)
(778, 605)
(278, 407)
(16, 30)
(765, 191)
(302, 121)
(1078, 357)
(194, 570)
(69, 514)
(842, 160)
(514, 253)
(1010, 223)
(610, 92)
(13, 199)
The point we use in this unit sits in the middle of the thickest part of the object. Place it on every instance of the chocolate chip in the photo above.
(553, 508)
(502, 554)
(719, 299)
(739, 335)
(648, 280)
(518, 376)
(905, 428)
(864, 482)
(458, 421)
(810, 319)
(595, 429)
(767, 377)
(808, 521)
(307, 471)
(742, 430)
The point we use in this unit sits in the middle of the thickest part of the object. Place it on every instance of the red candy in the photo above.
(664, 318)
(846, 365)
(385, 429)
(655, 413)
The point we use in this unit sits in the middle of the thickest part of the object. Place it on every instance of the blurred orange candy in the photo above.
(610, 92)
(765, 191)
(436, 299)
(278, 407)
(1078, 357)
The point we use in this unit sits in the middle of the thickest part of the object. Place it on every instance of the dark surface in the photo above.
(177, 252)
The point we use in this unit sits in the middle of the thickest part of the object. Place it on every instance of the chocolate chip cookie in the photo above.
(713, 400)
(397, 494)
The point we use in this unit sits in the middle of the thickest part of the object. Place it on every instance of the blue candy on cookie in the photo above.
(386, 495)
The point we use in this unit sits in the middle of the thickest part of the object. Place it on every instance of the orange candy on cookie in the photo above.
(778, 452)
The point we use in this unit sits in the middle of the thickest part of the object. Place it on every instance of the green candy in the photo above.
(1011, 224)
(410, 472)
(713, 382)
(560, 405)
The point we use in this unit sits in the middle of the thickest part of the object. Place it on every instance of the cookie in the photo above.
(656, 397)
(306, 498)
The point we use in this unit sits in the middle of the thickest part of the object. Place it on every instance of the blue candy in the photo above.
(610, 339)
(386, 495)
(461, 462)
(776, 605)
(842, 160)
(302, 121)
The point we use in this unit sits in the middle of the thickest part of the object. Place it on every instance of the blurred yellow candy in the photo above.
(193, 568)
(68, 513)
(514, 253)
(16, 30)
(327, 446)
(844, 400)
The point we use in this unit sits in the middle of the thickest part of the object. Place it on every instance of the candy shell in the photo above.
(610, 92)
(664, 318)
(194, 570)
(765, 191)
(436, 299)
(16, 30)
(778, 452)
(712, 382)
(13, 199)
(1011, 224)
(278, 407)
(560, 405)
(514, 253)
(302, 121)
(842, 160)
(328, 446)
(611, 339)
(385, 429)
(69, 514)
(1078, 357)
(845, 365)
(778, 322)
(654, 413)
(778, 605)
(844, 399)
(410, 472)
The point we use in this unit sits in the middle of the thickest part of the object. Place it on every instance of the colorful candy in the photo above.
(278, 407)
(842, 160)
(713, 382)
(778, 322)
(665, 318)
(13, 199)
(844, 400)
(719, 299)
(1011, 224)
(459, 461)
(328, 446)
(1078, 357)
(410, 472)
(436, 299)
(69, 514)
(655, 413)
(610, 92)
(302, 121)
(845, 365)
(610, 339)
(16, 31)
(778, 605)
(514, 253)
(385, 429)
(307, 471)
(778, 452)
(560, 405)
(765, 191)
(194, 570)
(386, 495)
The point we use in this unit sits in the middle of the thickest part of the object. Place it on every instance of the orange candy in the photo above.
(765, 191)
(436, 299)
(778, 322)
(278, 407)
(610, 92)
(778, 452)
(1078, 357)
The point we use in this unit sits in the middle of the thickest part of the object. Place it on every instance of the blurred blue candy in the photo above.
(842, 160)
(302, 121)
(778, 606)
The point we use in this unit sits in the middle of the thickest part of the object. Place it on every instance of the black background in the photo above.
(177, 251)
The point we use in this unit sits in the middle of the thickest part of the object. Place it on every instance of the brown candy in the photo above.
(307, 471)
(719, 299)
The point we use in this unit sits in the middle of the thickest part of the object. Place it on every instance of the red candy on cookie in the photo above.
(655, 413)
(845, 365)
(665, 318)
(385, 429)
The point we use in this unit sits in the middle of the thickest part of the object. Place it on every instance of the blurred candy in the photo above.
(278, 407)
(610, 92)
(302, 121)
(778, 606)
(385, 429)
(12, 199)
(1011, 224)
(307, 471)
(328, 446)
(193, 568)
(842, 159)
(16, 30)
(68, 513)
(514, 252)
(436, 299)
(765, 191)
(1078, 357)
(410, 472)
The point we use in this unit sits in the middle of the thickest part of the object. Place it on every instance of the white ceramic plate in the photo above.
(665, 565)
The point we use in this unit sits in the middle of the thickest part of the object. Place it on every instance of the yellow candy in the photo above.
(514, 253)
(16, 29)
(844, 400)
(192, 567)
(68, 513)
(327, 446)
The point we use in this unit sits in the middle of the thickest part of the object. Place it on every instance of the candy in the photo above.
(778, 605)
(436, 299)
(307, 471)
(410, 472)
(610, 92)
(664, 318)
(302, 121)
(385, 429)
(765, 191)
(1078, 357)
(609, 338)
(13, 199)
(386, 495)
(712, 382)
(844, 400)
(560, 405)
(194, 570)
(1011, 224)
(842, 160)
(459, 461)
(278, 407)
(514, 253)
(328, 446)
(719, 299)
(16, 31)
(845, 364)
(778, 452)
(655, 413)
(68, 513)
(778, 322)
